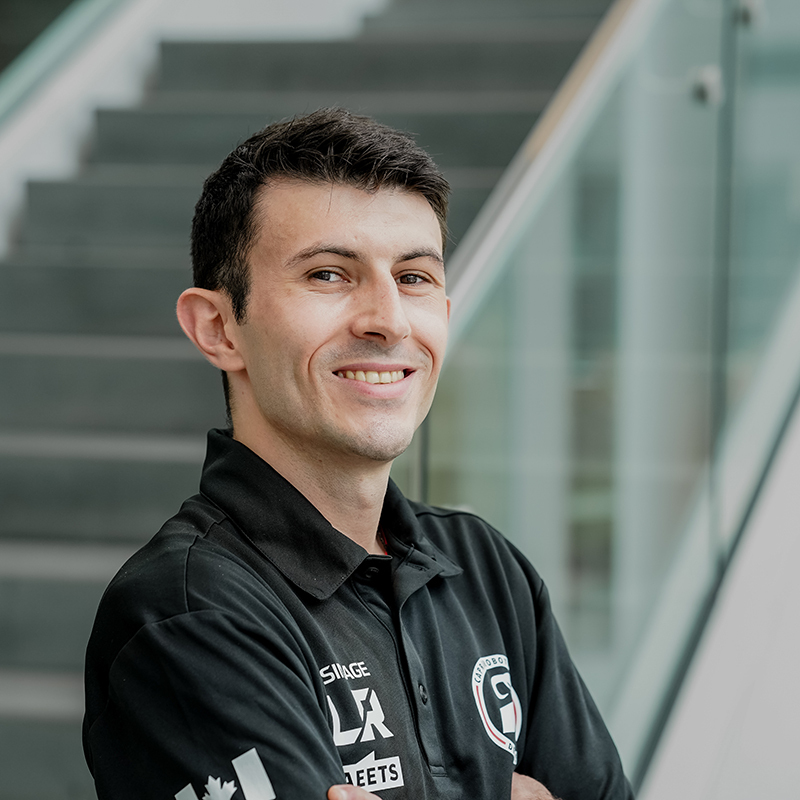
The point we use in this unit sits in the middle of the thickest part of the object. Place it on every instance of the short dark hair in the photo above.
(327, 146)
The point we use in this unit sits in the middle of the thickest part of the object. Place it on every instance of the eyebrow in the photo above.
(424, 252)
(328, 249)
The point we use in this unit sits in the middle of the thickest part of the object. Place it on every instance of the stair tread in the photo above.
(182, 176)
(41, 695)
(78, 345)
(116, 446)
(60, 561)
(366, 64)
(397, 101)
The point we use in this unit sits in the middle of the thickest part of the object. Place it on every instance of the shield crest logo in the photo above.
(498, 704)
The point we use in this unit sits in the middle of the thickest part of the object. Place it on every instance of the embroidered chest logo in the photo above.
(357, 716)
(498, 704)
(371, 715)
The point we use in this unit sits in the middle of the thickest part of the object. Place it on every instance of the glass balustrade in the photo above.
(625, 356)
(762, 357)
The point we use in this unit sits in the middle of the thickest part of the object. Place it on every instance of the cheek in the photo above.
(286, 336)
(431, 330)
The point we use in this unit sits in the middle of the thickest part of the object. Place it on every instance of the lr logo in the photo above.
(497, 701)
(371, 719)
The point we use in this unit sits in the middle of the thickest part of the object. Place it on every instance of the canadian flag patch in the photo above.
(253, 781)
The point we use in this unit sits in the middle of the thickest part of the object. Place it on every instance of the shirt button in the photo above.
(423, 694)
(370, 573)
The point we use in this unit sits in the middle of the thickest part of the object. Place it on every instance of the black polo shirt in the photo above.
(252, 651)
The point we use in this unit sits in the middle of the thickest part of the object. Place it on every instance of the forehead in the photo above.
(289, 209)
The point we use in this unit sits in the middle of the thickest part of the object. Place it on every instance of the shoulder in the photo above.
(193, 566)
(475, 545)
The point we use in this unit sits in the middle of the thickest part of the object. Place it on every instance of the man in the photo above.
(299, 625)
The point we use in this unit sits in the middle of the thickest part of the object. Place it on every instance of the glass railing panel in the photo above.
(574, 412)
(764, 282)
(765, 229)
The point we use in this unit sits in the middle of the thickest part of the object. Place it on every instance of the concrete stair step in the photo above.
(286, 103)
(41, 756)
(113, 487)
(539, 9)
(41, 255)
(464, 29)
(83, 212)
(40, 695)
(365, 64)
(49, 592)
(94, 383)
(90, 212)
(138, 299)
(529, 21)
(153, 136)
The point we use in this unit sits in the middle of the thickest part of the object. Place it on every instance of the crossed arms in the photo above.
(522, 788)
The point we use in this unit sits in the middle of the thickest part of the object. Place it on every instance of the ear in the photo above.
(448, 309)
(207, 319)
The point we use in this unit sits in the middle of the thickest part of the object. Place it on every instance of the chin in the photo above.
(381, 452)
(381, 445)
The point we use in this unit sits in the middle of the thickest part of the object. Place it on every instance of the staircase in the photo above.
(103, 404)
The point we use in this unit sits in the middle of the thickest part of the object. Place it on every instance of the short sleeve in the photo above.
(205, 703)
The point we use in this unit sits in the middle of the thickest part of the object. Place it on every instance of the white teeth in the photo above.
(371, 376)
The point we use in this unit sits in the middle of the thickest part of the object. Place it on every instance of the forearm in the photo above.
(525, 788)
(522, 788)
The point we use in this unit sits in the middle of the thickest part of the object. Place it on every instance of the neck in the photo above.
(349, 493)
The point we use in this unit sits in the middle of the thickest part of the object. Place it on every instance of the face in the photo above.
(346, 322)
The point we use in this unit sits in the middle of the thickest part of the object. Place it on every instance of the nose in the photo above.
(381, 314)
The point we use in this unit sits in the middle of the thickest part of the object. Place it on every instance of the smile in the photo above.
(373, 377)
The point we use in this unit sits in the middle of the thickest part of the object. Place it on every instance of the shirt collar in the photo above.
(289, 531)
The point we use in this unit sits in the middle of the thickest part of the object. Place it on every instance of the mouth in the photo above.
(372, 376)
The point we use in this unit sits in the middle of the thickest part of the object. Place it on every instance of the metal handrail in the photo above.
(478, 260)
(49, 51)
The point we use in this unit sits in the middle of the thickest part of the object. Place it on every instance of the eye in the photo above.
(411, 279)
(326, 275)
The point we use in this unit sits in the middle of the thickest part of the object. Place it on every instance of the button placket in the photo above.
(409, 581)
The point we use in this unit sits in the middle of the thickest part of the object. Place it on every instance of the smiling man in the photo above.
(299, 629)
(334, 365)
